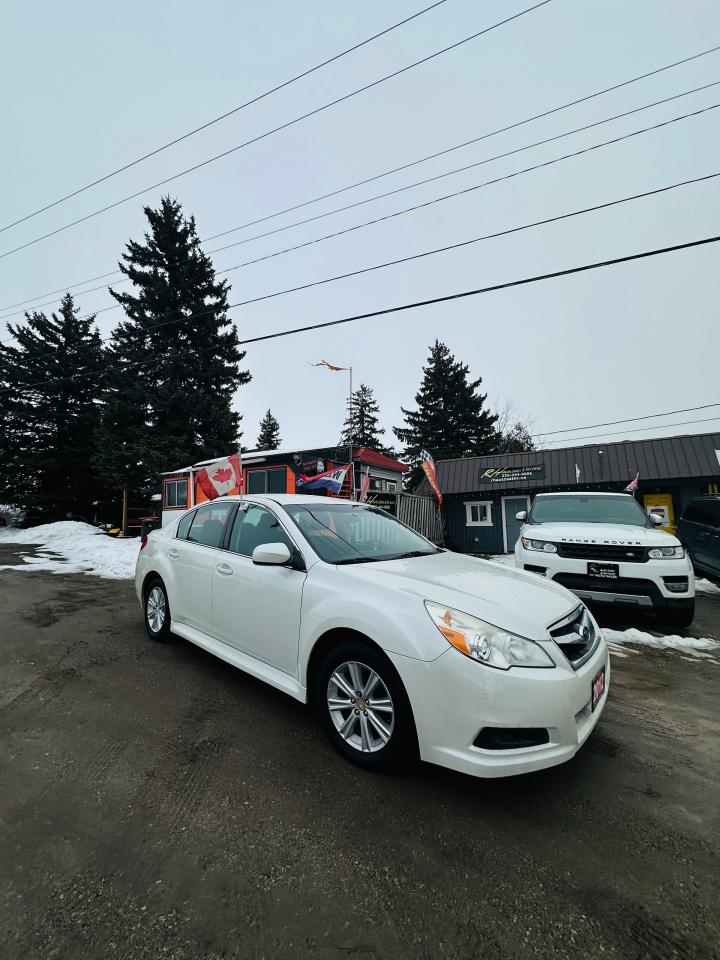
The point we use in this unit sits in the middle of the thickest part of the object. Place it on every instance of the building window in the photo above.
(176, 492)
(267, 481)
(478, 514)
(378, 485)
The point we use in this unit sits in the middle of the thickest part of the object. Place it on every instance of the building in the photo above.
(481, 495)
(277, 471)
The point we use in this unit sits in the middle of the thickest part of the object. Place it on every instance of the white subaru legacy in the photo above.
(402, 647)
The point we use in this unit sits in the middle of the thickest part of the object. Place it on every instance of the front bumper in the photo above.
(652, 584)
(454, 698)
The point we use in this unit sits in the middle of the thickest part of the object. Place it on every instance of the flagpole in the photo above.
(350, 410)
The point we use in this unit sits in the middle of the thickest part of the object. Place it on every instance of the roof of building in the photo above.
(376, 459)
(664, 458)
(336, 453)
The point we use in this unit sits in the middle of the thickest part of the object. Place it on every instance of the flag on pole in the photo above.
(331, 480)
(578, 473)
(428, 465)
(221, 477)
(330, 366)
(364, 485)
(632, 486)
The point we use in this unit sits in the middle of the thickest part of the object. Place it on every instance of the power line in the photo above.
(612, 423)
(283, 126)
(426, 253)
(659, 426)
(224, 116)
(386, 173)
(428, 203)
(447, 298)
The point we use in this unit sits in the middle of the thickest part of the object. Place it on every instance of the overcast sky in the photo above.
(90, 86)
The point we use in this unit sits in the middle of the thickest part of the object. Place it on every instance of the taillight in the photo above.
(143, 541)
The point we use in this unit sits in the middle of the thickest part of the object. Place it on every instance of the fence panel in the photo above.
(422, 514)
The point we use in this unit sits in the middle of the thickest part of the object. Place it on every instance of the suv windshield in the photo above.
(595, 509)
(353, 533)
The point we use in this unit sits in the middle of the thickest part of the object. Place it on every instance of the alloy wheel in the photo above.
(156, 609)
(360, 706)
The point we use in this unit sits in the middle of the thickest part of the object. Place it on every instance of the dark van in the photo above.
(699, 530)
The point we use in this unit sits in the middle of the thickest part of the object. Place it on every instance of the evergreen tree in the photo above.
(269, 436)
(51, 391)
(175, 360)
(361, 426)
(451, 419)
(517, 439)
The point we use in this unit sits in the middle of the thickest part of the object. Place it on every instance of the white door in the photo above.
(257, 608)
(193, 553)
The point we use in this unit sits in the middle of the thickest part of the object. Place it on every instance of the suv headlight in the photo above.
(544, 545)
(657, 553)
(485, 643)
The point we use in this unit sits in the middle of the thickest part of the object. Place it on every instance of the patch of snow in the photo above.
(73, 547)
(705, 586)
(694, 647)
(504, 559)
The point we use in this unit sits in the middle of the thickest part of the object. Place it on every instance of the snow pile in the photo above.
(693, 647)
(705, 586)
(73, 547)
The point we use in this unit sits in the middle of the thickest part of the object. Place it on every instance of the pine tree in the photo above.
(361, 426)
(175, 359)
(517, 439)
(451, 419)
(269, 436)
(51, 392)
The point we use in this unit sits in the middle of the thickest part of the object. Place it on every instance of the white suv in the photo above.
(400, 645)
(604, 548)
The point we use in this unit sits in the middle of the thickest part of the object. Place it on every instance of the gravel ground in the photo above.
(155, 802)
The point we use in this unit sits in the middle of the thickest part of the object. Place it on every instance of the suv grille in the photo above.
(576, 636)
(603, 551)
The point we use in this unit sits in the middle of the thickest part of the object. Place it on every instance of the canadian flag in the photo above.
(220, 478)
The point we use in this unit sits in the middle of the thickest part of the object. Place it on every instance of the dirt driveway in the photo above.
(156, 803)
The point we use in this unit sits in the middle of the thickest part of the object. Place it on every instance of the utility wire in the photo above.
(401, 308)
(427, 203)
(267, 133)
(612, 423)
(423, 254)
(223, 116)
(658, 426)
(386, 173)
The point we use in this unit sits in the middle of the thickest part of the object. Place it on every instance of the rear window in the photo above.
(706, 512)
(184, 525)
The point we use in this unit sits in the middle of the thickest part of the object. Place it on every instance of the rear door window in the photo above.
(184, 525)
(712, 513)
(208, 524)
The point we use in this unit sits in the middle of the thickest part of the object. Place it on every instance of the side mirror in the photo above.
(271, 554)
(521, 515)
(657, 519)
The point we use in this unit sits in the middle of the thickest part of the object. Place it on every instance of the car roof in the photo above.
(584, 493)
(286, 499)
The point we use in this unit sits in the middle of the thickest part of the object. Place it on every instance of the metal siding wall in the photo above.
(474, 539)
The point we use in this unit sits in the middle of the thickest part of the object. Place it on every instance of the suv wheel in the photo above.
(681, 618)
(364, 708)
(157, 612)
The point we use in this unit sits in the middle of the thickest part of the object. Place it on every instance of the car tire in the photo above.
(157, 611)
(679, 619)
(377, 732)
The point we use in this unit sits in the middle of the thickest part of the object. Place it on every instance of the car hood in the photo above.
(508, 598)
(610, 533)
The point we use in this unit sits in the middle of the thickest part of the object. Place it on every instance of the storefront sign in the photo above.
(535, 471)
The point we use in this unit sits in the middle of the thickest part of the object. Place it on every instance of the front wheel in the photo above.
(364, 708)
(679, 619)
(157, 612)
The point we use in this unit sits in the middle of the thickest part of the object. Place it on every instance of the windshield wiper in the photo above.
(360, 560)
(413, 553)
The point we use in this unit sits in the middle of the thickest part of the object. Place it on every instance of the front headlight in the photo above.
(485, 643)
(657, 553)
(544, 545)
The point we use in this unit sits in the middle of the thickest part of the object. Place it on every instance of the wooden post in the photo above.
(124, 511)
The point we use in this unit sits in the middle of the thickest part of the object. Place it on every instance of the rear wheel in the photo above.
(364, 708)
(157, 612)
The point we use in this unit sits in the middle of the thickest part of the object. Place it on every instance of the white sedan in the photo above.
(402, 647)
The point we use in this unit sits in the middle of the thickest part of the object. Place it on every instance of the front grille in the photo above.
(576, 636)
(628, 585)
(603, 551)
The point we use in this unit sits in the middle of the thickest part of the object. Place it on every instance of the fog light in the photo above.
(676, 584)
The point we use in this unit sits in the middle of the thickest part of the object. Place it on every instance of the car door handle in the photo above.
(173, 553)
(224, 569)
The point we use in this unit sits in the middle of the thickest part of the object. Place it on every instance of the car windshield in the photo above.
(595, 509)
(353, 533)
